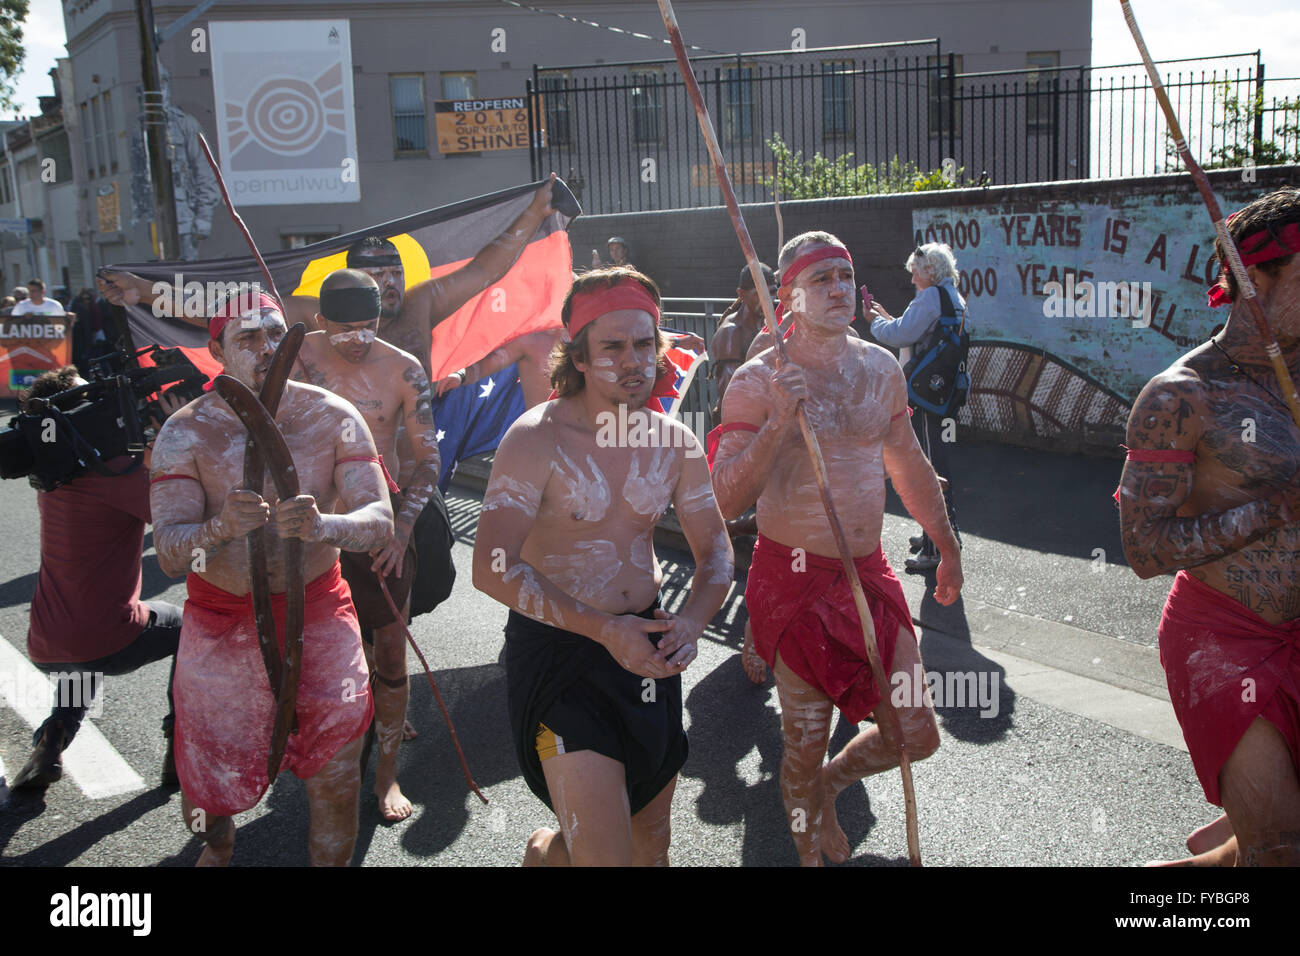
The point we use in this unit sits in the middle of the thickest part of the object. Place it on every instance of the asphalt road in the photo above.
(1032, 782)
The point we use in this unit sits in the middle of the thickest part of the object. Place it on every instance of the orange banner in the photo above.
(29, 345)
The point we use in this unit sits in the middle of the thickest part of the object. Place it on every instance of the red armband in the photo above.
(1161, 454)
(154, 481)
(907, 410)
(393, 486)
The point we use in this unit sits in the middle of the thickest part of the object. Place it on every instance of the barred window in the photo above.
(738, 125)
(557, 103)
(938, 94)
(409, 121)
(1038, 89)
(837, 98)
(648, 120)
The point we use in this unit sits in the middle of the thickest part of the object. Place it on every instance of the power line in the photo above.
(602, 26)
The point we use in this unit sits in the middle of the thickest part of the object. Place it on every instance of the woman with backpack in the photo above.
(932, 339)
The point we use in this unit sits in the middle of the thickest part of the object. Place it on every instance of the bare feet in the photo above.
(835, 845)
(408, 731)
(755, 669)
(1210, 836)
(546, 848)
(393, 806)
(1223, 855)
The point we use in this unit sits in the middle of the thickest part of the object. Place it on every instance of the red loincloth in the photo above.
(809, 615)
(1212, 647)
(224, 707)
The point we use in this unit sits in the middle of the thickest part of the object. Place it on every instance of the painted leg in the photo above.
(589, 792)
(868, 753)
(652, 828)
(755, 668)
(217, 834)
(1261, 795)
(1211, 835)
(392, 691)
(333, 801)
(805, 728)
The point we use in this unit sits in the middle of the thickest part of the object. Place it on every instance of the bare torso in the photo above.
(852, 398)
(207, 438)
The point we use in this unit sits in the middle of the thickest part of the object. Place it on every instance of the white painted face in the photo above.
(622, 355)
(248, 342)
(359, 336)
(828, 294)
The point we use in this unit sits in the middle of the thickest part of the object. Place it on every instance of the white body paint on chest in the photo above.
(650, 493)
(585, 498)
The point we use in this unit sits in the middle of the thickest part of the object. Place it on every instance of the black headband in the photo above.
(363, 260)
(350, 304)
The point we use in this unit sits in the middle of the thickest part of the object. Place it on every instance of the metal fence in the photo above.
(699, 316)
(625, 136)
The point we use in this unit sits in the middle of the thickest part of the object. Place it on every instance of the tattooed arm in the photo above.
(417, 412)
(521, 468)
(1156, 538)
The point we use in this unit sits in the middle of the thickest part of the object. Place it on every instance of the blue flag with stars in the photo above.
(473, 419)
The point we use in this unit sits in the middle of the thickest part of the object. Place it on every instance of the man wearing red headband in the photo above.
(566, 540)
(224, 706)
(801, 608)
(387, 386)
(1210, 491)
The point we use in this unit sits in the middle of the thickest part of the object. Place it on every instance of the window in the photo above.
(837, 98)
(6, 187)
(88, 140)
(1039, 88)
(738, 118)
(938, 94)
(557, 102)
(459, 86)
(648, 120)
(107, 149)
(101, 132)
(408, 114)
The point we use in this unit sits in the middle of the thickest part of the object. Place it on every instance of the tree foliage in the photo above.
(1235, 131)
(12, 15)
(820, 177)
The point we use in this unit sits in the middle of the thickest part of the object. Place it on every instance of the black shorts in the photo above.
(572, 687)
(436, 572)
(372, 608)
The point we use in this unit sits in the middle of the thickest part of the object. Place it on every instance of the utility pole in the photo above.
(155, 132)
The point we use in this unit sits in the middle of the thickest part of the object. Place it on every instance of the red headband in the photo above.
(1262, 246)
(587, 307)
(236, 307)
(808, 258)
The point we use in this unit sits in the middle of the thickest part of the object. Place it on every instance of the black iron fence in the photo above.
(625, 135)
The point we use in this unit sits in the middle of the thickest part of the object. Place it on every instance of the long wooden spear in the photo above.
(889, 725)
(1245, 287)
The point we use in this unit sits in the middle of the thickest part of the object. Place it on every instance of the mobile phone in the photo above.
(867, 299)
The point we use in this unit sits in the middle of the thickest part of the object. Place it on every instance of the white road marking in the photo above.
(90, 760)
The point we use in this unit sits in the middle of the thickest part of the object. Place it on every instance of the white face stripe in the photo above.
(362, 336)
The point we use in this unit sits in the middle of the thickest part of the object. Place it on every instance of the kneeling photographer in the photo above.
(83, 446)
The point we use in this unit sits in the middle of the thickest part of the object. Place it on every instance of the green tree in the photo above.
(1236, 131)
(820, 177)
(12, 15)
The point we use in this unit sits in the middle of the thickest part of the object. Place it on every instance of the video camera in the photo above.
(62, 436)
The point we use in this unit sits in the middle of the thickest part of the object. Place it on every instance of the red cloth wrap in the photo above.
(809, 616)
(1177, 455)
(808, 258)
(1210, 645)
(1258, 247)
(236, 307)
(587, 307)
(224, 707)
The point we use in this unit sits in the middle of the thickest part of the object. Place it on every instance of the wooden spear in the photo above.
(1244, 285)
(886, 716)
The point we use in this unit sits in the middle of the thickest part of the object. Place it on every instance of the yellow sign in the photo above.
(478, 126)
(110, 218)
(742, 174)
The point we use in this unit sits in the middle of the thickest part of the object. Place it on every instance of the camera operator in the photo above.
(87, 618)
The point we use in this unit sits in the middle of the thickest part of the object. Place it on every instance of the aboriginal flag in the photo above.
(431, 243)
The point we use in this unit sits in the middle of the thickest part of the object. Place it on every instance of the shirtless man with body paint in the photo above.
(224, 705)
(388, 386)
(856, 400)
(566, 540)
(1210, 490)
(532, 353)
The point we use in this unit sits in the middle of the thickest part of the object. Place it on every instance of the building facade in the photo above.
(404, 56)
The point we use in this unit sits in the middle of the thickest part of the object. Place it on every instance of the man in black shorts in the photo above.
(566, 540)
